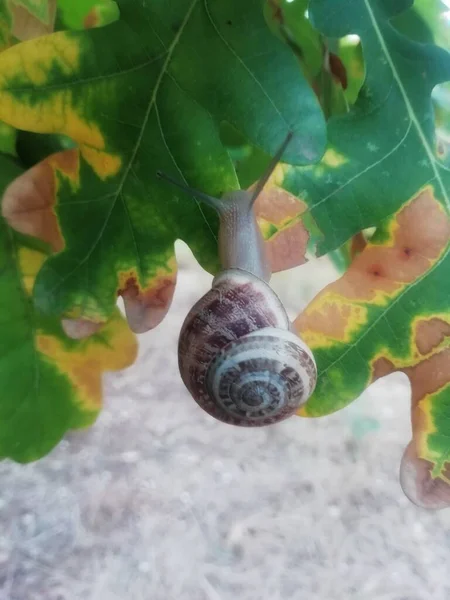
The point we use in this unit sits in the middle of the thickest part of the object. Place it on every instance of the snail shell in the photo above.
(236, 353)
(238, 357)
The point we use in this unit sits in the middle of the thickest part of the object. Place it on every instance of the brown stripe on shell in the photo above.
(238, 316)
(237, 304)
(292, 372)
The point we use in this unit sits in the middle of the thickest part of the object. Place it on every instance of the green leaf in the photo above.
(441, 98)
(8, 138)
(8, 134)
(249, 161)
(49, 383)
(390, 312)
(434, 18)
(35, 147)
(84, 14)
(384, 150)
(351, 54)
(5, 26)
(149, 93)
(412, 23)
(425, 22)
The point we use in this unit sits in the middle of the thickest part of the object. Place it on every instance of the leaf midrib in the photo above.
(152, 102)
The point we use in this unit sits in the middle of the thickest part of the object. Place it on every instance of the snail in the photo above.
(237, 353)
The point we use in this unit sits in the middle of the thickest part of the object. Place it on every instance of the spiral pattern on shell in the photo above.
(238, 357)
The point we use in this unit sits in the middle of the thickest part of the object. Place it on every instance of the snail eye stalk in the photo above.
(271, 168)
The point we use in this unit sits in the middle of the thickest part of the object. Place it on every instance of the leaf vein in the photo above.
(239, 59)
(137, 144)
(163, 137)
(68, 84)
(364, 171)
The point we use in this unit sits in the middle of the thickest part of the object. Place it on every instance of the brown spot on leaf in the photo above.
(333, 319)
(277, 13)
(382, 367)
(287, 248)
(418, 484)
(276, 205)
(26, 26)
(376, 270)
(426, 378)
(146, 309)
(67, 162)
(28, 205)
(423, 228)
(430, 333)
(338, 70)
(358, 244)
(91, 19)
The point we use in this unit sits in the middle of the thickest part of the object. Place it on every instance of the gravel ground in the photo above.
(160, 502)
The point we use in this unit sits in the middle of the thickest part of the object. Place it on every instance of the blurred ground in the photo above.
(160, 502)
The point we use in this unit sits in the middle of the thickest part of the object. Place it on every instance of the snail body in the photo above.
(237, 354)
